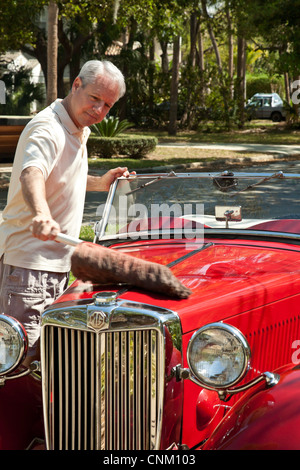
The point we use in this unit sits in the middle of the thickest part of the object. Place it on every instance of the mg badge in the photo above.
(96, 320)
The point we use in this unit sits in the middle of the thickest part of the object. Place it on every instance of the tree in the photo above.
(223, 77)
(52, 47)
(241, 78)
(206, 72)
(80, 25)
(161, 19)
(174, 86)
(19, 23)
(274, 28)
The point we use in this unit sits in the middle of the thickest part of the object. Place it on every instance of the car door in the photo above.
(266, 108)
(258, 108)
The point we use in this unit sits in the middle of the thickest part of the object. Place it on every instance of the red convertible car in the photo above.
(127, 364)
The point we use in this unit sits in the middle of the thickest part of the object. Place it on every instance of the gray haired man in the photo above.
(47, 193)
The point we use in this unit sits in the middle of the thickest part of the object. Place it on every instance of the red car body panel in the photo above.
(248, 285)
(21, 413)
(257, 275)
(264, 419)
(254, 286)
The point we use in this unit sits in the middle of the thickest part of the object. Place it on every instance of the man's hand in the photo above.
(44, 228)
(102, 183)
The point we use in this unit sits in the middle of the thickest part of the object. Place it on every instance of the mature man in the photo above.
(47, 193)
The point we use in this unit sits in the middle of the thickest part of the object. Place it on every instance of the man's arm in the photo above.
(102, 183)
(34, 193)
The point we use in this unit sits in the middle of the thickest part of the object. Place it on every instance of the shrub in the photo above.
(264, 84)
(132, 146)
(110, 127)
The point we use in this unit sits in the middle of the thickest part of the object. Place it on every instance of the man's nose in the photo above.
(98, 108)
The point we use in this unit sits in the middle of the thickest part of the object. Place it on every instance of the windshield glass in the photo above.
(189, 204)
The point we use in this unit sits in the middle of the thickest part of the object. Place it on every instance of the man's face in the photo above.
(91, 103)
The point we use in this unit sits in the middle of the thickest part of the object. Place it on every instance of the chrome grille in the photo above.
(102, 390)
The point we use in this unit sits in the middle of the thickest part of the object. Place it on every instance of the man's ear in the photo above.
(76, 84)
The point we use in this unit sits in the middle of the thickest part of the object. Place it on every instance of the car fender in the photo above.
(21, 413)
(263, 419)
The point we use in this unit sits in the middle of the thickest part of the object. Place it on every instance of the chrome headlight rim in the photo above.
(246, 351)
(18, 328)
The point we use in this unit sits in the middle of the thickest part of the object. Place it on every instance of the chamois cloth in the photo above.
(91, 262)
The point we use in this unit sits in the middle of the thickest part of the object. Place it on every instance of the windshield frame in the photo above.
(231, 232)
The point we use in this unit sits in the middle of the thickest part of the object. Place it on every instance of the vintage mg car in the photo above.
(124, 366)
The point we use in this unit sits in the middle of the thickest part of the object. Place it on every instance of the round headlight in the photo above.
(13, 344)
(218, 355)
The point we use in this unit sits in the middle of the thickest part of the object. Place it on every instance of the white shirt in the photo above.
(52, 143)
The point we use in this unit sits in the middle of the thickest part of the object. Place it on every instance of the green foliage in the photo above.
(88, 27)
(275, 24)
(110, 127)
(20, 92)
(87, 233)
(292, 114)
(19, 22)
(264, 84)
(133, 146)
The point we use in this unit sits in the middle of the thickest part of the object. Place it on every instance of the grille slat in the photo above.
(64, 399)
(101, 389)
(274, 345)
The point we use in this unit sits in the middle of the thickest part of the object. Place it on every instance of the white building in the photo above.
(16, 60)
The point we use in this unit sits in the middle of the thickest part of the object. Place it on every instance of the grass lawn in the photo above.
(262, 132)
(167, 156)
(254, 132)
(86, 233)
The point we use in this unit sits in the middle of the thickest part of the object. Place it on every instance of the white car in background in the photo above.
(266, 106)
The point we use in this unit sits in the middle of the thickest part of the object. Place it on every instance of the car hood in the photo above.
(226, 278)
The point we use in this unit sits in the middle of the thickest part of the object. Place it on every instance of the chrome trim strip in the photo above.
(237, 174)
(254, 233)
(100, 226)
(208, 233)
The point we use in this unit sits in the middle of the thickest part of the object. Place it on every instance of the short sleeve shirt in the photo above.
(52, 143)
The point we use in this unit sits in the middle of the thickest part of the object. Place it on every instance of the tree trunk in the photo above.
(164, 56)
(241, 79)
(230, 49)
(287, 87)
(212, 35)
(200, 60)
(201, 65)
(52, 46)
(194, 27)
(151, 75)
(174, 87)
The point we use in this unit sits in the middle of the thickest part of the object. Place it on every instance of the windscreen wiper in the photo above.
(155, 180)
(278, 174)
